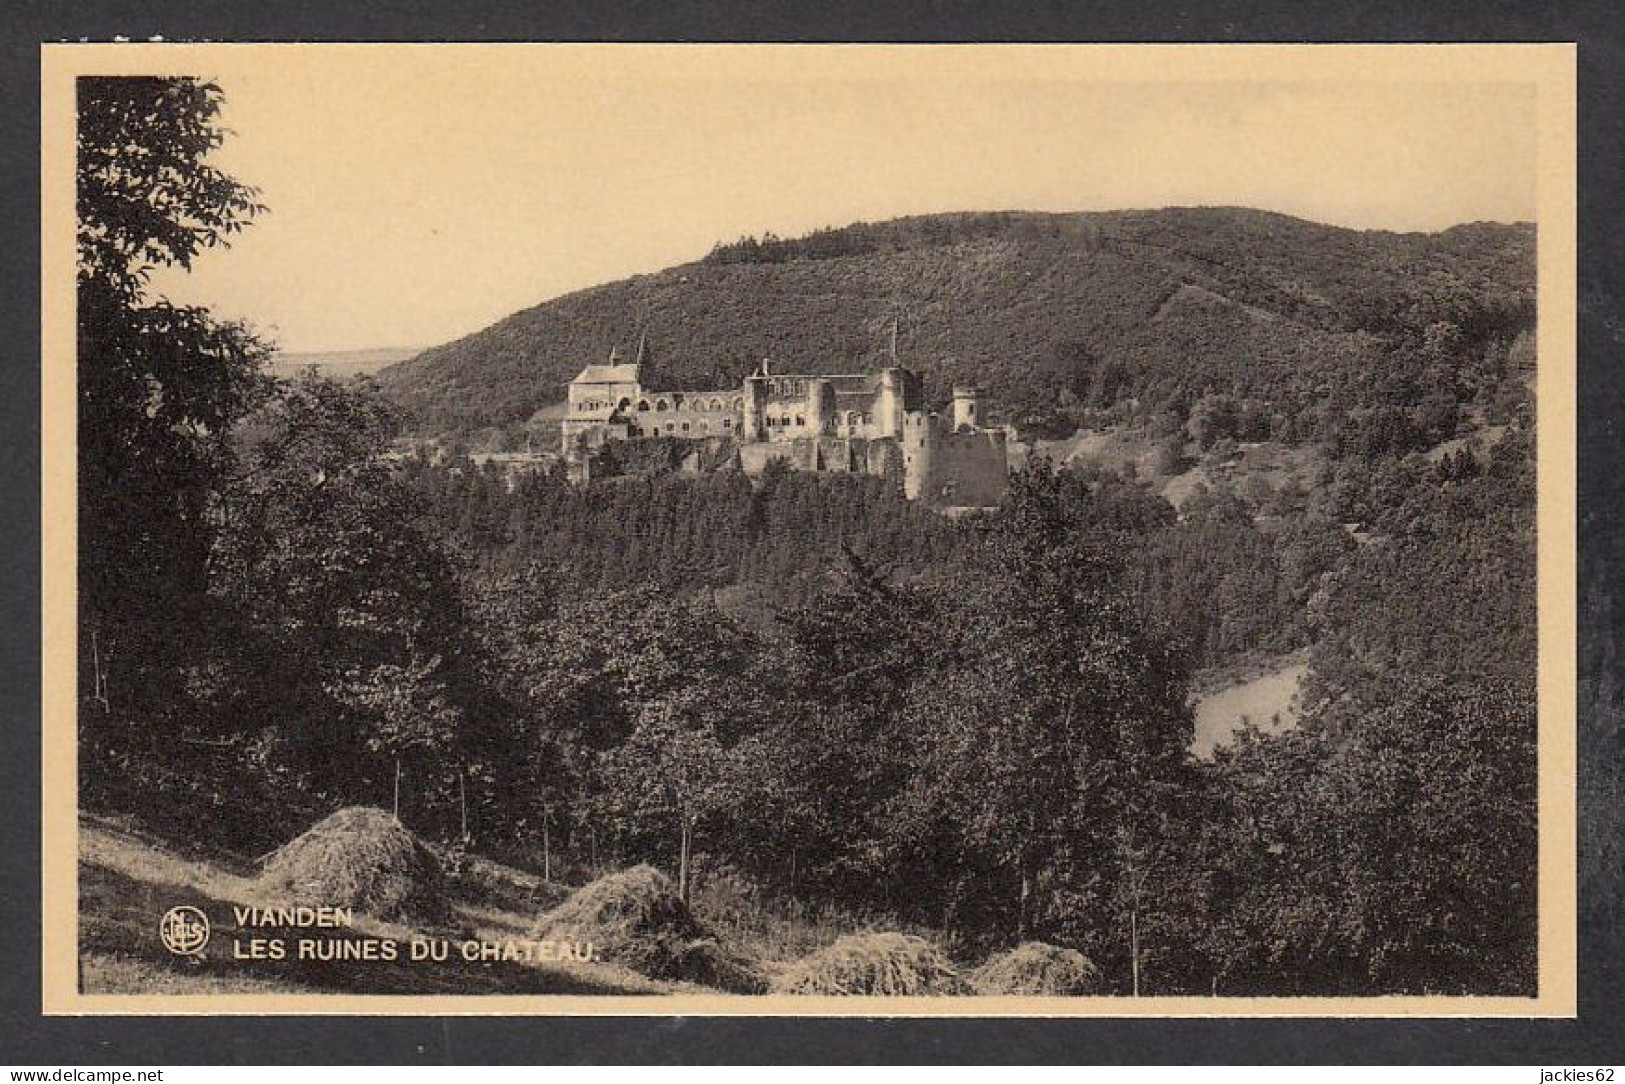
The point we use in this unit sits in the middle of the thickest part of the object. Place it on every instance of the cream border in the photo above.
(1551, 67)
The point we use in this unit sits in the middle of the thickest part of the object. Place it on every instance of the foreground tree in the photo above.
(159, 389)
(1051, 739)
(673, 772)
(832, 754)
(684, 695)
(328, 559)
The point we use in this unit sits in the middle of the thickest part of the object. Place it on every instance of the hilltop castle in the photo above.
(860, 423)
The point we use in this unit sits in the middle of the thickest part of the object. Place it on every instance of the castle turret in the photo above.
(919, 446)
(889, 404)
(753, 425)
(967, 411)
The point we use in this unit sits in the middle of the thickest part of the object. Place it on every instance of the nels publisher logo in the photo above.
(184, 930)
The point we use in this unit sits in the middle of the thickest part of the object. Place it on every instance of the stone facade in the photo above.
(866, 423)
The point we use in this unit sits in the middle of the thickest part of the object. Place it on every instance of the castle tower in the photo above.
(821, 406)
(889, 404)
(751, 426)
(967, 411)
(919, 447)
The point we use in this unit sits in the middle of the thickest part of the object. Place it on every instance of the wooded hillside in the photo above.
(1037, 307)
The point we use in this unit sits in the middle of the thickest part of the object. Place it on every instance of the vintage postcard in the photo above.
(809, 530)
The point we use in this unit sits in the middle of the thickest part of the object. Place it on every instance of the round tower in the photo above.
(967, 412)
(755, 408)
(889, 404)
(919, 453)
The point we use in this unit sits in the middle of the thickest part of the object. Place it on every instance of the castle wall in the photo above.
(786, 418)
(795, 408)
(693, 417)
(799, 454)
(843, 405)
(854, 415)
(602, 398)
(883, 458)
(968, 468)
(828, 455)
(867, 423)
(837, 455)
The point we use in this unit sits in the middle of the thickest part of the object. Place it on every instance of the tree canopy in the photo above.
(160, 387)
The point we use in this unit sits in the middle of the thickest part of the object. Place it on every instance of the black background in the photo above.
(28, 1038)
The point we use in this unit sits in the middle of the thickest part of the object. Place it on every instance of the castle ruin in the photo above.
(861, 423)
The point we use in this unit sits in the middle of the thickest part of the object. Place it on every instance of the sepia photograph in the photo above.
(745, 529)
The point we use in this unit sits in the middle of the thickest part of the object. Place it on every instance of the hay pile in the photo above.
(636, 919)
(1035, 969)
(874, 964)
(363, 858)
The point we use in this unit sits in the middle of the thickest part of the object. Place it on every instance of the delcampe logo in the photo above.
(184, 930)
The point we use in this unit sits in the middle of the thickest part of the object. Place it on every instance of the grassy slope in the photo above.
(128, 880)
(1224, 298)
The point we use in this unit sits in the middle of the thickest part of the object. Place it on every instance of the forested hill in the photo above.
(1166, 302)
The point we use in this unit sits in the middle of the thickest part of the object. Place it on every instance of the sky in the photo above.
(420, 193)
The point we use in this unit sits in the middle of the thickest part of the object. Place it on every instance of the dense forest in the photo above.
(1227, 578)
(978, 727)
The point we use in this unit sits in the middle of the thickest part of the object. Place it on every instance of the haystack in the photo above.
(1035, 969)
(363, 858)
(636, 919)
(873, 964)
